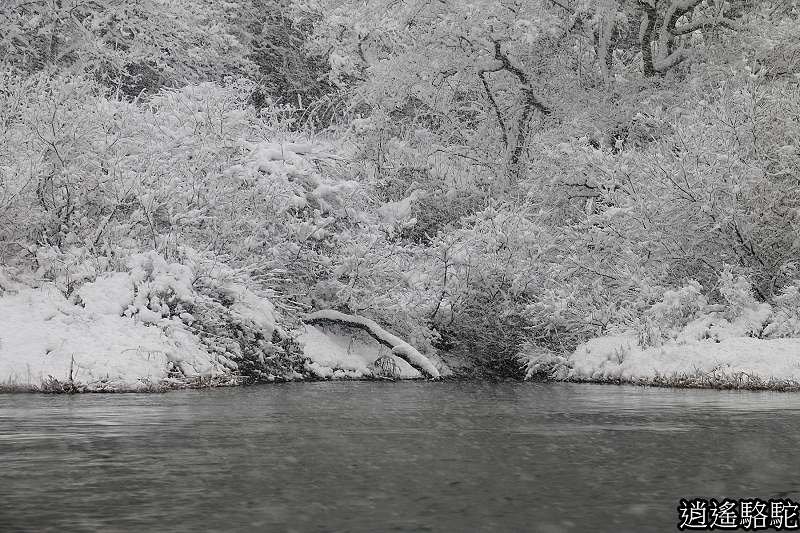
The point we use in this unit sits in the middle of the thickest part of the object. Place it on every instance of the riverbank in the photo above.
(736, 363)
(154, 329)
(752, 347)
(115, 334)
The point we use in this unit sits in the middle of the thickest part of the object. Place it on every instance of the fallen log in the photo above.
(399, 347)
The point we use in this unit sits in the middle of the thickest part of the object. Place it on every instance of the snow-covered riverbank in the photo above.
(738, 363)
(47, 343)
(684, 342)
(149, 329)
(50, 343)
(154, 327)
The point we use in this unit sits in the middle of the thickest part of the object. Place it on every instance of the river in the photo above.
(409, 456)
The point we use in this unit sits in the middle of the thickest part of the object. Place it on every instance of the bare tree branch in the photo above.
(531, 102)
(493, 101)
(659, 33)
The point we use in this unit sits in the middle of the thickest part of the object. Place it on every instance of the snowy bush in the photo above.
(737, 294)
(545, 365)
(785, 320)
(572, 307)
(161, 289)
(668, 317)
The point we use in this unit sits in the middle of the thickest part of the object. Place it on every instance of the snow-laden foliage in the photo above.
(669, 316)
(173, 211)
(130, 46)
(481, 178)
(785, 321)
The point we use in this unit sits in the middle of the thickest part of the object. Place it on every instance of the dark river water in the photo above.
(365, 456)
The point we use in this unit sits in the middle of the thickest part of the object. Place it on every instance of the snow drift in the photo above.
(46, 339)
(683, 341)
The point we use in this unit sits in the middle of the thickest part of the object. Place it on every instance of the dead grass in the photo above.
(714, 379)
(52, 385)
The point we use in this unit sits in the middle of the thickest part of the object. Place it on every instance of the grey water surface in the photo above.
(366, 456)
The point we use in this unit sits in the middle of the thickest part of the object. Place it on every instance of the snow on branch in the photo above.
(531, 101)
(399, 347)
(658, 34)
(699, 23)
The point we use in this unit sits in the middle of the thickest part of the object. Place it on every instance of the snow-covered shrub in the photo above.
(7, 282)
(161, 289)
(109, 294)
(667, 318)
(560, 317)
(481, 277)
(785, 320)
(739, 315)
(205, 299)
(737, 294)
(439, 208)
(230, 320)
(383, 279)
(541, 364)
(242, 344)
(69, 267)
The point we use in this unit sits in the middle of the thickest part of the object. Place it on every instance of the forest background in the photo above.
(489, 178)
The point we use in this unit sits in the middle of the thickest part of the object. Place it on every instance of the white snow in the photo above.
(151, 271)
(717, 349)
(351, 353)
(682, 340)
(400, 347)
(399, 212)
(108, 295)
(42, 336)
(250, 307)
(745, 358)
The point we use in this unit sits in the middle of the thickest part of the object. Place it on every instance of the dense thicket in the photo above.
(483, 176)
